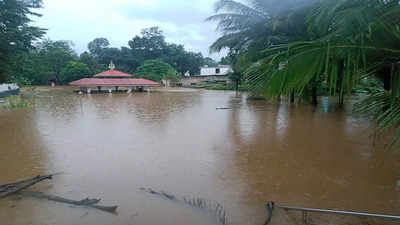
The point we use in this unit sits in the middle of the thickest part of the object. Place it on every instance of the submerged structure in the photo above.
(217, 74)
(113, 81)
(8, 89)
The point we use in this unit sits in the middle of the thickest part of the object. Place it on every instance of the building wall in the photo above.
(166, 82)
(188, 81)
(212, 71)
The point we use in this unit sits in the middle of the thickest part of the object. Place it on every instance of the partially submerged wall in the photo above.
(193, 80)
(8, 89)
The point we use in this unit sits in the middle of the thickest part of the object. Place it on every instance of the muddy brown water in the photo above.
(109, 146)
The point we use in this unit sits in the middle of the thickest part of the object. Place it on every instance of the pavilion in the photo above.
(113, 79)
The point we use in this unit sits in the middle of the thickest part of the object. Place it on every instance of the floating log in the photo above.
(84, 202)
(223, 108)
(12, 188)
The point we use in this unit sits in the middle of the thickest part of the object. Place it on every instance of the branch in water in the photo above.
(84, 202)
(213, 207)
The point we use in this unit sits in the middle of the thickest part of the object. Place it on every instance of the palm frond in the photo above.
(384, 109)
(240, 8)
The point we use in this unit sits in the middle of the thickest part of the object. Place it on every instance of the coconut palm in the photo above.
(248, 29)
(261, 23)
(352, 39)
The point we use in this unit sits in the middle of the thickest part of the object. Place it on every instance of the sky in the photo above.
(81, 21)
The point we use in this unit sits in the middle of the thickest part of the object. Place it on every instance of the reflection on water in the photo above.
(109, 146)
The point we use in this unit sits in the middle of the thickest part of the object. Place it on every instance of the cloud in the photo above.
(120, 20)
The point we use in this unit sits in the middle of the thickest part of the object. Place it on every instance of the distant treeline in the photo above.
(27, 58)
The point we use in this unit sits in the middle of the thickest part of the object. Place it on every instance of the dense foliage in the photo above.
(150, 44)
(16, 34)
(45, 61)
(304, 45)
(156, 70)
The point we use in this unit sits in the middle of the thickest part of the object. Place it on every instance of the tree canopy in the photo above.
(48, 61)
(16, 34)
(156, 70)
(301, 47)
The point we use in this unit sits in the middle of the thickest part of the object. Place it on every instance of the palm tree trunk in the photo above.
(314, 93)
(292, 97)
(387, 82)
(2, 76)
(340, 82)
(237, 86)
(385, 74)
(3, 61)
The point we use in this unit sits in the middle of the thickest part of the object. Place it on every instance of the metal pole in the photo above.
(350, 213)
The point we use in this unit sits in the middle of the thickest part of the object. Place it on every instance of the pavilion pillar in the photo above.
(116, 88)
(99, 88)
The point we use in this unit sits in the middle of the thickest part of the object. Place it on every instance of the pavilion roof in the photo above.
(113, 73)
(114, 82)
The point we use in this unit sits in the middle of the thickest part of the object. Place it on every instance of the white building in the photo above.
(220, 70)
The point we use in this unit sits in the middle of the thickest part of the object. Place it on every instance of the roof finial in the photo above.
(111, 66)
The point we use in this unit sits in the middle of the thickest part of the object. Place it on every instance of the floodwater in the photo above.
(109, 146)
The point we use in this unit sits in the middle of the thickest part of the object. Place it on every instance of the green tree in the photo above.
(351, 40)
(156, 70)
(149, 45)
(209, 62)
(248, 29)
(74, 71)
(97, 45)
(91, 62)
(16, 33)
(226, 60)
(260, 23)
(55, 56)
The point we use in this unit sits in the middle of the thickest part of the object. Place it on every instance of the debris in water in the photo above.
(213, 207)
(17, 187)
(12, 188)
(84, 202)
(223, 108)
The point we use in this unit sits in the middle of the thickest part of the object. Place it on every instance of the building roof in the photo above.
(114, 82)
(113, 73)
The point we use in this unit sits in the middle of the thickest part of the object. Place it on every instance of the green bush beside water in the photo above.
(228, 87)
(16, 101)
(221, 87)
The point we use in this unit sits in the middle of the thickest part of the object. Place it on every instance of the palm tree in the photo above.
(351, 39)
(248, 29)
(261, 23)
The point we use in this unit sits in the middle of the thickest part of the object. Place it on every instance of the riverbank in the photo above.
(221, 87)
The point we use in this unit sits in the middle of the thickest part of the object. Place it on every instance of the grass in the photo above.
(220, 87)
(16, 101)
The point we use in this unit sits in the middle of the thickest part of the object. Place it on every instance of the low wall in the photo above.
(193, 80)
(8, 89)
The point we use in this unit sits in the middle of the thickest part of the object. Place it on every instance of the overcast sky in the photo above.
(80, 21)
